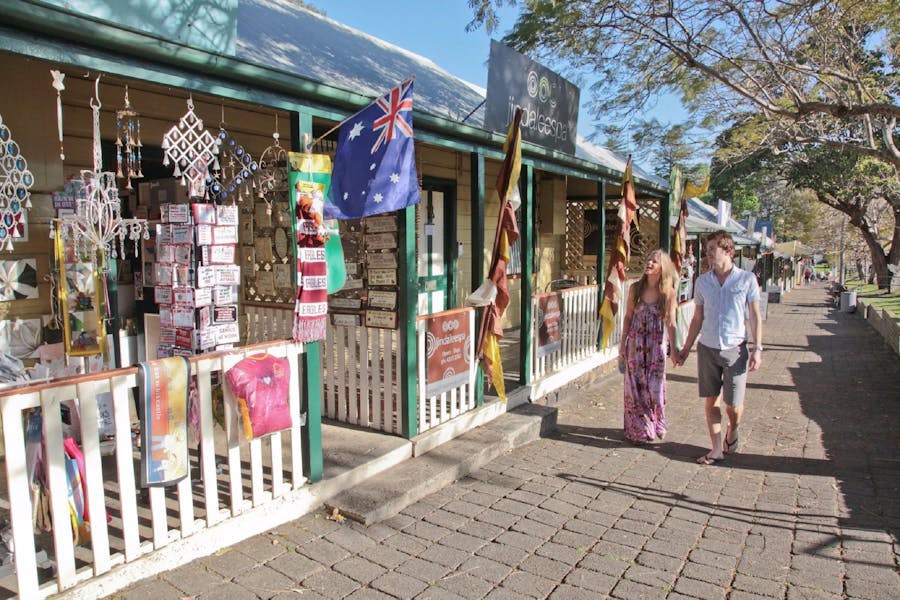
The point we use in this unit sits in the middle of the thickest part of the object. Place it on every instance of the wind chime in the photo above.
(191, 148)
(128, 144)
(97, 225)
(15, 181)
(237, 177)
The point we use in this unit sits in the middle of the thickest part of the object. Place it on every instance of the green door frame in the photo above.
(450, 278)
(408, 310)
(601, 253)
(526, 249)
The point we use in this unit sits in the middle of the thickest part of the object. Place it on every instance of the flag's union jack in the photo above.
(393, 105)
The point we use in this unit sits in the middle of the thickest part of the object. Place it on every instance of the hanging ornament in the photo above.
(15, 180)
(97, 224)
(237, 177)
(58, 85)
(128, 143)
(191, 148)
(273, 177)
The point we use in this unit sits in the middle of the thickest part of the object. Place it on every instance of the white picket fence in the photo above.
(361, 377)
(228, 477)
(460, 397)
(261, 323)
(579, 328)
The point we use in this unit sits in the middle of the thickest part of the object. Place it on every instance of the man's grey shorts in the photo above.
(723, 370)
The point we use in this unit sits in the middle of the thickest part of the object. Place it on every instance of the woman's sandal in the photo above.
(706, 459)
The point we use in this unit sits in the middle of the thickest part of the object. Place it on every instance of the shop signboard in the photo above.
(549, 321)
(550, 102)
(448, 344)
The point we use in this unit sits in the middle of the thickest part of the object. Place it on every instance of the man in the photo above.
(722, 297)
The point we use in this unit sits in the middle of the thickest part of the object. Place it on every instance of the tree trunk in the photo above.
(879, 258)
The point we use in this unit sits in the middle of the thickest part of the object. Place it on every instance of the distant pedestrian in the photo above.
(807, 275)
(648, 336)
(724, 296)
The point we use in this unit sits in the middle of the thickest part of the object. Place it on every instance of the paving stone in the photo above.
(504, 553)
(359, 569)
(529, 584)
(264, 581)
(427, 531)
(483, 531)
(228, 562)
(720, 577)
(558, 552)
(407, 544)
(330, 584)
(547, 568)
(628, 590)
(447, 520)
(262, 547)
(575, 540)
(485, 568)
(699, 589)
(363, 594)
(192, 579)
(867, 590)
(425, 570)
(548, 517)
(295, 565)
(350, 539)
(606, 564)
(462, 541)
(571, 592)
(385, 556)
(445, 555)
(153, 589)
(519, 540)
(759, 585)
(465, 585)
(534, 528)
(592, 581)
(497, 517)
(226, 590)
(399, 585)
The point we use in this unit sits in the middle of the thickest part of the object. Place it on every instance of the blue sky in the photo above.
(436, 29)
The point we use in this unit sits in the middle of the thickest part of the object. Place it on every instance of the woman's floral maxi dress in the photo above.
(645, 375)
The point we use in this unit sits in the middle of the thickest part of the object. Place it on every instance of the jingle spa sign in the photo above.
(448, 351)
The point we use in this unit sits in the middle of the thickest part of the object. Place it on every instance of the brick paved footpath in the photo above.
(809, 509)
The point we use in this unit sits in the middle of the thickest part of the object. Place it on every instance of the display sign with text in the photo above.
(448, 346)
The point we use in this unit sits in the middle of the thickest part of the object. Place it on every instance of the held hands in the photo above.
(755, 360)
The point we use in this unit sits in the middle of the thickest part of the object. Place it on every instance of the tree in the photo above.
(809, 72)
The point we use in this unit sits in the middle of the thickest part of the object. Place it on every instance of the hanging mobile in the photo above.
(273, 179)
(192, 148)
(128, 143)
(239, 171)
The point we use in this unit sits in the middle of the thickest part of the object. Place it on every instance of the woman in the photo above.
(649, 327)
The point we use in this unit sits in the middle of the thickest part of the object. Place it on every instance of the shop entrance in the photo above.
(435, 237)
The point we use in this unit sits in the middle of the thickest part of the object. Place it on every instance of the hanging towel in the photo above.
(164, 421)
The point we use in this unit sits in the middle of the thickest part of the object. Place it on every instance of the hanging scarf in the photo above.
(309, 176)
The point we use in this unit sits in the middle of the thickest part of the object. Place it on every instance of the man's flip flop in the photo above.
(732, 446)
(706, 459)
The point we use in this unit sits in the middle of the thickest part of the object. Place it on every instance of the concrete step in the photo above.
(387, 493)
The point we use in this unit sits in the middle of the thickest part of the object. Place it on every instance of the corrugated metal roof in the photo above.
(282, 35)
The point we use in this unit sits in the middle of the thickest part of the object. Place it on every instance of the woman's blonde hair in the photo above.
(668, 279)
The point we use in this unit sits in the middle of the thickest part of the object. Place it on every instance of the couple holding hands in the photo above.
(724, 298)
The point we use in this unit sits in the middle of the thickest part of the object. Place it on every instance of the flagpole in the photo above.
(309, 147)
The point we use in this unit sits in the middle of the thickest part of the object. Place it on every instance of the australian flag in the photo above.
(375, 166)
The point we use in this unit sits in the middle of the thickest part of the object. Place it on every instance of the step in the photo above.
(387, 493)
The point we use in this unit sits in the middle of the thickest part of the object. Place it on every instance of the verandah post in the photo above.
(601, 253)
(311, 383)
(526, 249)
(406, 320)
(477, 261)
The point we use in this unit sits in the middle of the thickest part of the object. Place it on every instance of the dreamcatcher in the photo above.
(18, 279)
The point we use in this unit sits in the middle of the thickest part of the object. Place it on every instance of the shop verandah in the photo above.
(369, 377)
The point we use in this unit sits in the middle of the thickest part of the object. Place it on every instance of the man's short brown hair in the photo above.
(722, 239)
